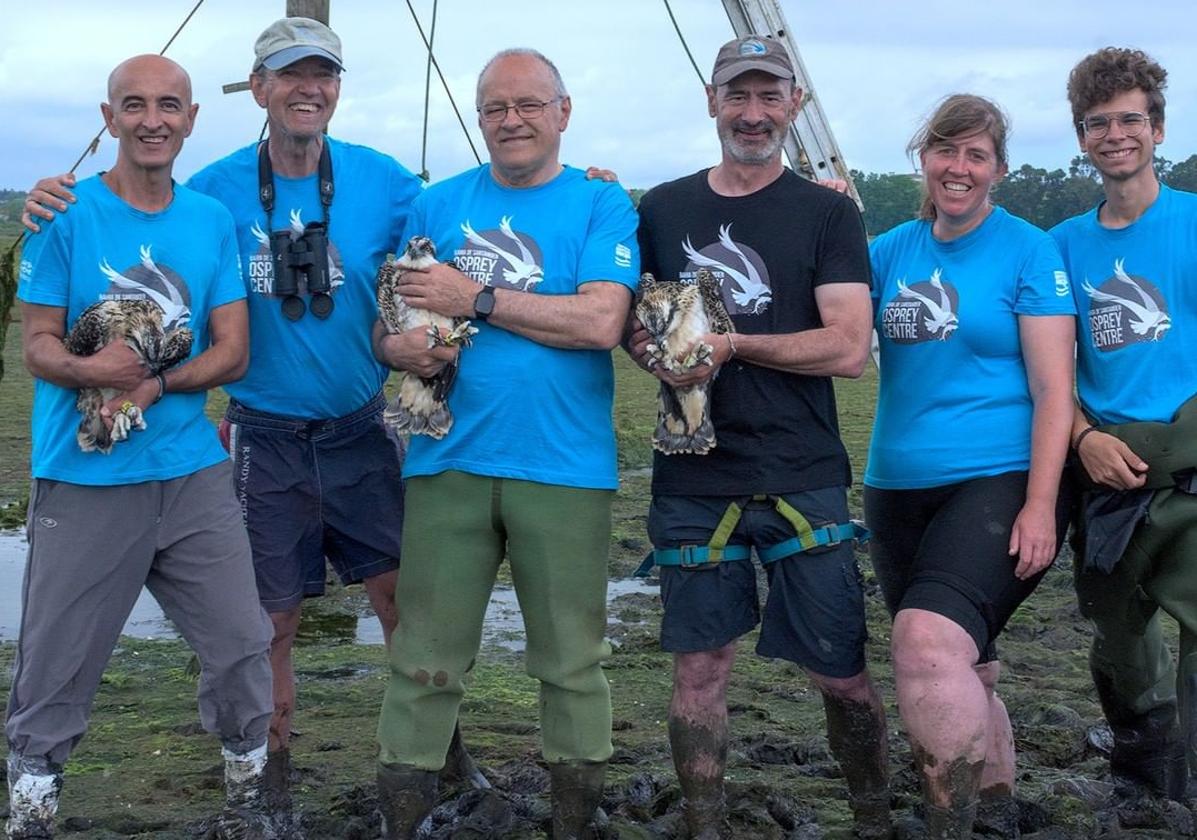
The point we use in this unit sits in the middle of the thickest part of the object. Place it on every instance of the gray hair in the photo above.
(558, 83)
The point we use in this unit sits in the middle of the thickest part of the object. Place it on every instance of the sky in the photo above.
(877, 66)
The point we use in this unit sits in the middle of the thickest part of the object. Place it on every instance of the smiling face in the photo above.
(751, 114)
(1119, 157)
(959, 172)
(523, 150)
(300, 98)
(149, 111)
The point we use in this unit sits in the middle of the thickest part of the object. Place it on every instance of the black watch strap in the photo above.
(484, 303)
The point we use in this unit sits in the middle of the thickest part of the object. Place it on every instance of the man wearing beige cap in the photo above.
(316, 473)
(793, 268)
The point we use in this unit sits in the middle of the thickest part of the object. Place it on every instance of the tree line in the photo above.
(1042, 197)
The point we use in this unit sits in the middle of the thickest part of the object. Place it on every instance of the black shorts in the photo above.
(814, 612)
(946, 550)
(311, 489)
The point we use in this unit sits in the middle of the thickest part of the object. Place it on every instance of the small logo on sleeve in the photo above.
(623, 256)
(1062, 288)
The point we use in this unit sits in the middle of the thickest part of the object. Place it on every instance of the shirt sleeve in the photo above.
(1043, 286)
(229, 283)
(644, 239)
(611, 251)
(844, 250)
(45, 270)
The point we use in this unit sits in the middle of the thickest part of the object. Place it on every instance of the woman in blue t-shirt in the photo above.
(975, 323)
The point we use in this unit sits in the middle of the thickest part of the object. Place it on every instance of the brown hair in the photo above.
(1101, 76)
(959, 115)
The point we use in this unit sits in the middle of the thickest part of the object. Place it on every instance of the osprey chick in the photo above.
(138, 323)
(420, 407)
(677, 315)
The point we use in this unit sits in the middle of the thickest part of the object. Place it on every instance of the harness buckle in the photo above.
(689, 556)
(833, 536)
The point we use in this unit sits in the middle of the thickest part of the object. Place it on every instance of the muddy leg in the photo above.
(945, 708)
(856, 732)
(286, 625)
(698, 737)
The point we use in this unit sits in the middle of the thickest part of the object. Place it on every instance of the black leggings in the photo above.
(945, 550)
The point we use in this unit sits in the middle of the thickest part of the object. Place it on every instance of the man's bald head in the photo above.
(133, 68)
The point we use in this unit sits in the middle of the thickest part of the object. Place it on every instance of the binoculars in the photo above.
(301, 264)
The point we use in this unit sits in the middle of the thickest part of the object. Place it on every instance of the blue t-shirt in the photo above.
(1136, 294)
(522, 409)
(184, 258)
(314, 368)
(954, 402)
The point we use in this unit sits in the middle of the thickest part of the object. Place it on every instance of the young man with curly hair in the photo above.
(1133, 265)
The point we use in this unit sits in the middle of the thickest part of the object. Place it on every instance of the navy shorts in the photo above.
(946, 550)
(814, 612)
(311, 489)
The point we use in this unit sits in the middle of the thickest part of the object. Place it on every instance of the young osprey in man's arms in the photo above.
(420, 407)
(138, 323)
(677, 315)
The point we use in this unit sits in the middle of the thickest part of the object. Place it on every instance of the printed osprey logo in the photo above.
(752, 47)
(743, 278)
(500, 257)
(923, 312)
(147, 280)
(1123, 301)
(261, 262)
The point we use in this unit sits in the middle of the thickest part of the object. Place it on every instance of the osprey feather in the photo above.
(138, 323)
(677, 316)
(420, 407)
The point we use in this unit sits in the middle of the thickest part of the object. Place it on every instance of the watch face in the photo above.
(484, 303)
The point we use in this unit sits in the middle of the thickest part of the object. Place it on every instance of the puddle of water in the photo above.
(503, 626)
(145, 622)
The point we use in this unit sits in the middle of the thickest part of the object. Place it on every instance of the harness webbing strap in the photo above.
(717, 550)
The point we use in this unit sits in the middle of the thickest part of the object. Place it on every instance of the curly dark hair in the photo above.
(959, 115)
(1101, 76)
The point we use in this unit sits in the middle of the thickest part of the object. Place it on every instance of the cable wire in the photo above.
(685, 46)
(444, 84)
(427, 90)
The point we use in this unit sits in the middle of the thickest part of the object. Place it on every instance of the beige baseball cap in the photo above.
(288, 40)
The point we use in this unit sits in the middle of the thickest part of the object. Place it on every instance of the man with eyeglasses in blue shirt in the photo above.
(545, 263)
(1133, 265)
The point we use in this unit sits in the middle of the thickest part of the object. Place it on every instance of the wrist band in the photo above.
(732, 345)
(161, 386)
(1076, 445)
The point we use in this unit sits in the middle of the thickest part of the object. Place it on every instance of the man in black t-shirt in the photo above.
(792, 263)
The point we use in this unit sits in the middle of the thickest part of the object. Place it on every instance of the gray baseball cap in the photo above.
(288, 40)
(751, 53)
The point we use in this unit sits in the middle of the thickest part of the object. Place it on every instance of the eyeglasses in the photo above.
(1098, 125)
(526, 110)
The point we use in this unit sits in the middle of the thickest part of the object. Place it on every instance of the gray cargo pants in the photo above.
(90, 551)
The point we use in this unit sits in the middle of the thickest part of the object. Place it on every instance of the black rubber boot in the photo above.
(576, 788)
(1149, 752)
(954, 823)
(276, 795)
(406, 795)
(460, 766)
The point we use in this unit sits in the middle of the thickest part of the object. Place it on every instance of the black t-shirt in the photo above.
(777, 432)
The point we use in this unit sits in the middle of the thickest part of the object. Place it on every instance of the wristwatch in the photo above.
(484, 303)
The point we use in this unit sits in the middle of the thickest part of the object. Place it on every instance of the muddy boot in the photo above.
(856, 734)
(33, 789)
(706, 817)
(406, 795)
(952, 823)
(459, 765)
(244, 815)
(870, 816)
(1150, 753)
(576, 788)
